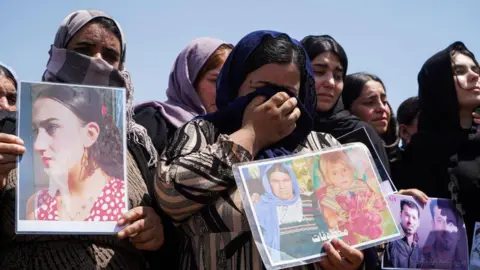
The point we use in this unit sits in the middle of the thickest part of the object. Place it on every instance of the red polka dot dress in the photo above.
(109, 205)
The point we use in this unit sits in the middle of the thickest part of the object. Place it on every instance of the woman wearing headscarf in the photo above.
(443, 156)
(286, 215)
(89, 48)
(8, 88)
(265, 100)
(191, 90)
(365, 96)
(329, 65)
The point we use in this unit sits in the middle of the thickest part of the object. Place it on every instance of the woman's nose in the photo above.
(40, 143)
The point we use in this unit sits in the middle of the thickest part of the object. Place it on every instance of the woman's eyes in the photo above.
(460, 70)
(51, 129)
(336, 76)
(84, 50)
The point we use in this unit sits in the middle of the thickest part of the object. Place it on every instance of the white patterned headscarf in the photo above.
(66, 66)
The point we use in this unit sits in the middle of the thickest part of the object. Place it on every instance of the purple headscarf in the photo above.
(183, 103)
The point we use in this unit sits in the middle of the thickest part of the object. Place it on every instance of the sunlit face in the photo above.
(467, 82)
(340, 175)
(60, 137)
(371, 106)
(328, 80)
(282, 185)
(409, 220)
(207, 86)
(96, 41)
(445, 227)
(285, 75)
(8, 94)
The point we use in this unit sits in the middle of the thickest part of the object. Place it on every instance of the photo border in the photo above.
(255, 228)
(69, 227)
(403, 235)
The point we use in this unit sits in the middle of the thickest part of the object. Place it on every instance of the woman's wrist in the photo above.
(245, 137)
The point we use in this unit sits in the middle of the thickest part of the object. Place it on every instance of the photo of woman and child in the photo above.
(301, 202)
(73, 170)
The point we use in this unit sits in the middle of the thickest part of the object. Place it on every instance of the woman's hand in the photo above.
(145, 228)
(341, 256)
(268, 122)
(11, 146)
(417, 194)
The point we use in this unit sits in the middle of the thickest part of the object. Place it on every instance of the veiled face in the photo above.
(285, 75)
(467, 81)
(95, 40)
(8, 94)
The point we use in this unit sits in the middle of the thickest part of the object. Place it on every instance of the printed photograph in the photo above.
(300, 203)
(361, 135)
(475, 253)
(73, 172)
(434, 236)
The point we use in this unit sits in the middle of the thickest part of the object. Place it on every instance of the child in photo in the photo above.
(347, 201)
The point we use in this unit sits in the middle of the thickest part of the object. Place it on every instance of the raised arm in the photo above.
(195, 169)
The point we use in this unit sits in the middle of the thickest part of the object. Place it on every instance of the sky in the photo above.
(391, 39)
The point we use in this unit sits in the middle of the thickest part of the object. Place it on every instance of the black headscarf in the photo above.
(337, 121)
(443, 158)
(231, 108)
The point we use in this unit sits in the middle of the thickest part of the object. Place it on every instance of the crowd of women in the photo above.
(268, 95)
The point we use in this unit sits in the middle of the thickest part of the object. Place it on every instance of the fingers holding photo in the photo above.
(417, 194)
(341, 256)
(144, 229)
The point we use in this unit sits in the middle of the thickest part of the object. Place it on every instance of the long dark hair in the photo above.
(86, 104)
(316, 45)
(352, 89)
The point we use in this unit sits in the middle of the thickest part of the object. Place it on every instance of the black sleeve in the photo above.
(379, 146)
(157, 128)
(168, 256)
(427, 159)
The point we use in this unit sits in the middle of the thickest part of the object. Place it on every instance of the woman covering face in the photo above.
(8, 89)
(265, 101)
(89, 48)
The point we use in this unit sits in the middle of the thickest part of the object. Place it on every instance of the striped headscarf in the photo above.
(9, 73)
(66, 66)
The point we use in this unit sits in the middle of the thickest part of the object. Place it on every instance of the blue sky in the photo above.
(391, 39)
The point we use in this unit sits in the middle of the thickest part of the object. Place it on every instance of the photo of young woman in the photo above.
(80, 148)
